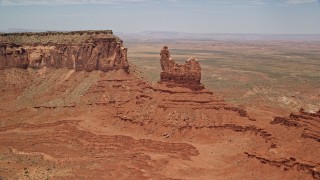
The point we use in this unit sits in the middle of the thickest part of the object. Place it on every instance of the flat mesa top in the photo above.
(57, 37)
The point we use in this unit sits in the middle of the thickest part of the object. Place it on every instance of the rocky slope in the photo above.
(62, 123)
(79, 50)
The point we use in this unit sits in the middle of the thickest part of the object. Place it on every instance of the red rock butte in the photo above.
(79, 50)
(69, 109)
(186, 75)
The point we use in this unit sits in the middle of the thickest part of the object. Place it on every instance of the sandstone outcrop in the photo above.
(307, 122)
(186, 75)
(62, 124)
(79, 50)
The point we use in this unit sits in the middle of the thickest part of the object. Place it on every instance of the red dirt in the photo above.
(67, 124)
(122, 127)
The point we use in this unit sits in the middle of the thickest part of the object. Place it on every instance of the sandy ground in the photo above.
(281, 75)
(61, 124)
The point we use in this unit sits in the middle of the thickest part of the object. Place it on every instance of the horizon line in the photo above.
(21, 30)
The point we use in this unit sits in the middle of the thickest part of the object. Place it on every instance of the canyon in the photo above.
(73, 107)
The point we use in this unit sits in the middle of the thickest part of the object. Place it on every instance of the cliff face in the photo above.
(52, 120)
(79, 50)
(187, 75)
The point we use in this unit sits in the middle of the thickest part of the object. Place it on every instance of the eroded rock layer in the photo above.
(187, 75)
(79, 50)
(63, 124)
(307, 122)
(60, 124)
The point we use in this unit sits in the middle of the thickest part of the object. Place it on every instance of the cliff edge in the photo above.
(79, 50)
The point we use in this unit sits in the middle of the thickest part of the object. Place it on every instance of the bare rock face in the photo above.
(79, 50)
(174, 74)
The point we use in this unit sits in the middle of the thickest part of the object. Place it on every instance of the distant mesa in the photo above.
(173, 74)
(79, 50)
(87, 51)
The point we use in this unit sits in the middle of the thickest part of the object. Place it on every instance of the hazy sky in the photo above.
(197, 16)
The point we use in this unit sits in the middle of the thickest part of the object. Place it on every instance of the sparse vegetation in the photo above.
(235, 69)
(53, 37)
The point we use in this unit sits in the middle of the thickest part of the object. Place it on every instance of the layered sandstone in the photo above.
(79, 50)
(187, 75)
(62, 124)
